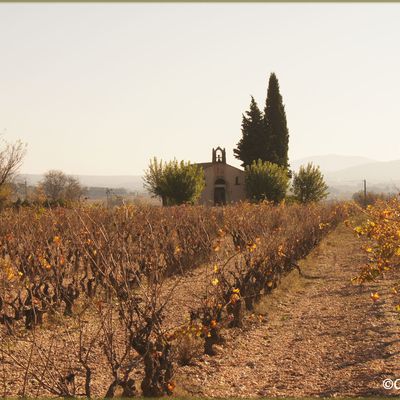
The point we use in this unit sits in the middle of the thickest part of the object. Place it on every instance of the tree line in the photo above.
(263, 150)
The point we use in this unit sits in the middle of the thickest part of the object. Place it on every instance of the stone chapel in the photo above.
(224, 183)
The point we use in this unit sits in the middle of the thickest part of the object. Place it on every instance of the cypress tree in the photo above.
(251, 146)
(275, 126)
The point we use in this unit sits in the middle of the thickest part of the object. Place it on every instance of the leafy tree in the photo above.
(266, 181)
(175, 182)
(252, 145)
(153, 179)
(309, 185)
(275, 125)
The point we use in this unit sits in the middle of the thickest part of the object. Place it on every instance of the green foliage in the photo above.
(266, 181)
(175, 182)
(252, 146)
(265, 136)
(309, 185)
(275, 125)
(153, 178)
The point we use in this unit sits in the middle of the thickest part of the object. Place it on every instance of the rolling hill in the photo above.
(331, 162)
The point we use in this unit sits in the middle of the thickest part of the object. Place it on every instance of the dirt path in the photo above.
(322, 336)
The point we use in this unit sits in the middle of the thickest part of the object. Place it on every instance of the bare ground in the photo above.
(320, 336)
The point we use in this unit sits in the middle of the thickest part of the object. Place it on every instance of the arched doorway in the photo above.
(219, 192)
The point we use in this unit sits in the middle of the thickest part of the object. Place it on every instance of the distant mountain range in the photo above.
(344, 175)
(374, 172)
(332, 162)
(346, 168)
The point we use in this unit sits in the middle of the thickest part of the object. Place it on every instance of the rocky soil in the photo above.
(317, 335)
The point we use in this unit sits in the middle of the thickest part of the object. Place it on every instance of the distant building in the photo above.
(224, 183)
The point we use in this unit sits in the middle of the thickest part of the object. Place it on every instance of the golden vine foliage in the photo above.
(381, 232)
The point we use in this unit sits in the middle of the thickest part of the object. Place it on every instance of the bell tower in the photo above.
(219, 155)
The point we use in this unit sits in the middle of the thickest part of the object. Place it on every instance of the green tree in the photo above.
(275, 125)
(153, 179)
(175, 182)
(309, 185)
(252, 145)
(266, 181)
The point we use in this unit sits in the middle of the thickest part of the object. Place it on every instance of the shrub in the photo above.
(309, 185)
(266, 181)
(370, 198)
(5, 195)
(175, 182)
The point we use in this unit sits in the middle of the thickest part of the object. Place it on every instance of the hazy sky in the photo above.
(101, 88)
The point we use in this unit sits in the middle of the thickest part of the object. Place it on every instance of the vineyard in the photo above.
(381, 235)
(101, 302)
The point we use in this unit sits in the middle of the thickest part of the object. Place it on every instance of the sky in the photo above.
(101, 88)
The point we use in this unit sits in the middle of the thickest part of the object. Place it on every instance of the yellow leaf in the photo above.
(215, 282)
(171, 386)
(177, 250)
(358, 229)
(234, 298)
(375, 296)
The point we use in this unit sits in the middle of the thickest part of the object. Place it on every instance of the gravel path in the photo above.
(320, 336)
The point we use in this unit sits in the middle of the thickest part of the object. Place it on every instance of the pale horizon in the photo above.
(99, 89)
(235, 162)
